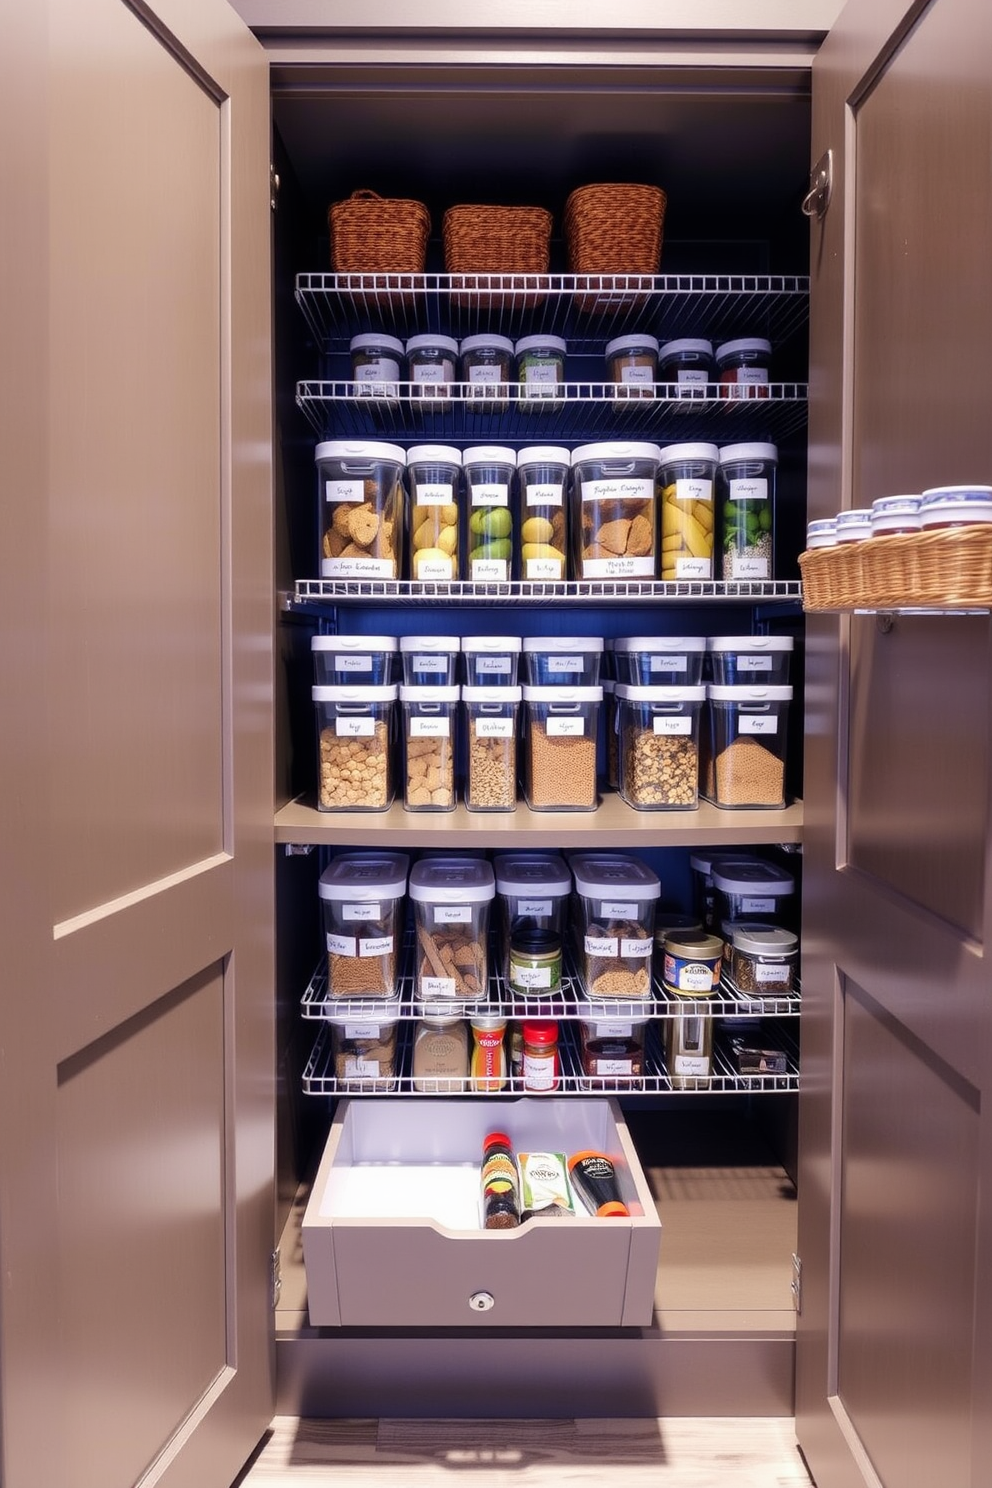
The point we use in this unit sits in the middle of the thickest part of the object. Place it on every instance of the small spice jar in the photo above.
(542, 478)
(489, 471)
(893, 516)
(376, 365)
(540, 1064)
(434, 471)
(540, 371)
(742, 367)
(686, 475)
(440, 1056)
(955, 506)
(763, 959)
(692, 964)
(748, 480)
(432, 364)
(487, 1064)
(687, 366)
(487, 370)
(535, 962)
(632, 366)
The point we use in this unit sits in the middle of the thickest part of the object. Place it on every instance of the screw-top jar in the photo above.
(686, 366)
(432, 364)
(748, 479)
(535, 962)
(376, 365)
(894, 515)
(854, 524)
(686, 475)
(541, 1070)
(955, 506)
(822, 533)
(487, 369)
(742, 367)
(540, 371)
(632, 366)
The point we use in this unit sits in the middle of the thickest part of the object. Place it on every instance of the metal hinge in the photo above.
(276, 1276)
(299, 849)
(273, 188)
(796, 1285)
(821, 181)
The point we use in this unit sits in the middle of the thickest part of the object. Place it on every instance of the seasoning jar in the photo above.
(612, 1054)
(692, 964)
(432, 366)
(893, 516)
(540, 1065)
(632, 366)
(854, 525)
(686, 474)
(376, 365)
(487, 1064)
(748, 479)
(540, 371)
(535, 962)
(487, 370)
(433, 473)
(822, 533)
(687, 366)
(440, 1056)
(742, 367)
(542, 477)
(763, 959)
(955, 506)
(489, 471)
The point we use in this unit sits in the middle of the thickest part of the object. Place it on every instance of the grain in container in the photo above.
(429, 718)
(562, 661)
(434, 475)
(340, 660)
(612, 1053)
(362, 898)
(659, 746)
(429, 660)
(451, 898)
(752, 890)
(490, 489)
(491, 729)
(659, 661)
(560, 747)
(613, 510)
(742, 367)
(686, 366)
(540, 363)
(686, 475)
(632, 365)
(376, 365)
(763, 959)
(491, 661)
(486, 365)
(736, 660)
(432, 364)
(542, 483)
(746, 763)
(354, 747)
(747, 480)
(361, 509)
(955, 506)
(616, 896)
(364, 1050)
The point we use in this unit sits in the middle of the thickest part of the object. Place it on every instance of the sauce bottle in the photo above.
(500, 1183)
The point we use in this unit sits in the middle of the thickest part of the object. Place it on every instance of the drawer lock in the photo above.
(482, 1301)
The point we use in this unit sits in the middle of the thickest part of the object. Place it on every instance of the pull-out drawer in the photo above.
(391, 1236)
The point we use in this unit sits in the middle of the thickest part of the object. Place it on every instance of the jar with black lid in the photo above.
(535, 962)
(687, 366)
(742, 367)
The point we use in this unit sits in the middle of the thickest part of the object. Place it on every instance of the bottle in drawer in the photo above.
(362, 898)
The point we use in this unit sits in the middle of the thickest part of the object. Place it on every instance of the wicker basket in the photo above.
(373, 234)
(614, 230)
(816, 565)
(955, 567)
(483, 243)
(890, 570)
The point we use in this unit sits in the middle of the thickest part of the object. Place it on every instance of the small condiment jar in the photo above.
(763, 959)
(692, 963)
(540, 371)
(854, 524)
(687, 366)
(487, 369)
(955, 506)
(376, 365)
(432, 365)
(822, 533)
(632, 365)
(742, 367)
(893, 516)
(540, 1067)
(535, 962)
(487, 1067)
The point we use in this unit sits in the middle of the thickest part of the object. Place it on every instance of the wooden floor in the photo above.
(698, 1453)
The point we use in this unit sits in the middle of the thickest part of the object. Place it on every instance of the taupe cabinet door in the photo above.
(137, 1190)
(895, 1336)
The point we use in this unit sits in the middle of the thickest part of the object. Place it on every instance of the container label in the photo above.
(692, 976)
(494, 728)
(691, 1064)
(754, 663)
(752, 376)
(558, 665)
(357, 568)
(539, 1072)
(618, 568)
(771, 971)
(433, 373)
(487, 495)
(530, 976)
(341, 945)
(541, 375)
(490, 570)
(344, 490)
(543, 568)
(536, 907)
(360, 1069)
(430, 728)
(676, 725)
(361, 1030)
(383, 369)
(693, 568)
(361, 911)
(612, 909)
(692, 377)
(757, 723)
(493, 666)
(754, 488)
(637, 374)
(435, 568)
(618, 488)
(612, 1030)
(382, 945)
(435, 986)
(601, 945)
(573, 728)
(452, 914)
(614, 1066)
(743, 566)
(354, 728)
(669, 664)
(540, 495)
(352, 663)
(432, 665)
(693, 488)
(639, 948)
(433, 493)
(485, 376)
(757, 906)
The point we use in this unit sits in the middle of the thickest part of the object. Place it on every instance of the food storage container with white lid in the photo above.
(763, 959)
(616, 897)
(490, 525)
(432, 364)
(751, 890)
(429, 720)
(354, 747)
(340, 660)
(955, 506)
(540, 371)
(429, 660)
(686, 366)
(686, 476)
(614, 509)
(632, 365)
(563, 661)
(745, 764)
(659, 746)
(362, 897)
(491, 748)
(894, 515)
(491, 660)
(854, 524)
(560, 731)
(376, 365)
(742, 367)
(361, 509)
(487, 370)
(747, 479)
(451, 898)
(434, 475)
(822, 533)
(533, 889)
(735, 660)
(702, 862)
(659, 661)
(542, 484)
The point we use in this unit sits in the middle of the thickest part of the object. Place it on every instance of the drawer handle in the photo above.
(482, 1301)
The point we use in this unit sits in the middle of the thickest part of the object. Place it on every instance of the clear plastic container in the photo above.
(659, 661)
(364, 1047)
(429, 715)
(752, 890)
(686, 366)
(429, 660)
(632, 366)
(542, 483)
(743, 660)
(451, 898)
(611, 727)
(955, 506)
(351, 660)
(764, 960)
(614, 509)
(540, 362)
(612, 1053)
(742, 367)
(487, 370)
(434, 474)
(659, 746)
(489, 481)
(376, 365)
(362, 898)
(746, 767)
(354, 747)
(616, 897)
(747, 474)
(562, 661)
(686, 475)
(491, 661)
(560, 747)
(491, 728)
(894, 515)
(533, 889)
(361, 508)
(432, 364)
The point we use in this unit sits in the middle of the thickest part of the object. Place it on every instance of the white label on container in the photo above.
(693, 488)
(433, 493)
(565, 728)
(618, 568)
(486, 495)
(543, 568)
(672, 725)
(530, 976)
(558, 665)
(382, 369)
(602, 945)
(430, 728)
(541, 373)
(486, 376)
(434, 986)
(754, 488)
(490, 570)
(757, 723)
(433, 665)
(637, 374)
(612, 909)
(493, 666)
(357, 568)
(751, 906)
(360, 1069)
(539, 1072)
(744, 567)
(341, 945)
(354, 728)
(536, 907)
(614, 1066)
(452, 914)
(382, 945)
(669, 664)
(693, 978)
(639, 949)
(755, 376)
(352, 663)
(692, 377)
(434, 568)
(618, 488)
(494, 728)
(361, 911)
(612, 1030)
(344, 490)
(691, 1064)
(769, 971)
(541, 495)
(693, 568)
(361, 1030)
(747, 663)
(431, 372)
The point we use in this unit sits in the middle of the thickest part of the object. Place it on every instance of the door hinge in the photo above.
(796, 1285)
(276, 1278)
(821, 181)
(273, 188)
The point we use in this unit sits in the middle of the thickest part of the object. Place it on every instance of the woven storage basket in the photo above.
(816, 566)
(955, 567)
(373, 234)
(890, 570)
(848, 585)
(480, 242)
(614, 230)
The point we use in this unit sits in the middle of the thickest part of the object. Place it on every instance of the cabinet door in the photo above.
(895, 1240)
(137, 1205)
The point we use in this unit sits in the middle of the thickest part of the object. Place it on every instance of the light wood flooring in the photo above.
(699, 1453)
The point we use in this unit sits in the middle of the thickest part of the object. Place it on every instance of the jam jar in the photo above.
(742, 367)
(687, 366)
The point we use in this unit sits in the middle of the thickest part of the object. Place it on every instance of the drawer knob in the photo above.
(482, 1301)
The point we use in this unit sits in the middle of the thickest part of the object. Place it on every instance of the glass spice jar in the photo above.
(535, 962)
(686, 366)
(487, 370)
(432, 364)
(540, 371)
(540, 1066)
(632, 366)
(742, 367)
(440, 1056)
(376, 365)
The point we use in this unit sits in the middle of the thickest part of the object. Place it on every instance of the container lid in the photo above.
(605, 1028)
(894, 513)
(649, 694)
(601, 873)
(972, 503)
(555, 645)
(530, 872)
(749, 643)
(429, 643)
(885, 504)
(538, 343)
(434, 454)
(484, 1022)
(730, 454)
(451, 880)
(702, 945)
(484, 340)
(704, 858)
(379, 1014)
(743, 343)
(509, 694)
(552, 693)
(540, 1031)
(372, 692)
(687, 343)
(643, 341)
(534, 941)
(752, 877)
(854, 524)
(660, 645)
(747, 693)
(358, 449)
(376, 338)
(543, 454)
(495, 644)
(362, 877)
(353, 643)
(429, 693)
(668, 922)
(489, 454)
(431, 340)
(616, 450)
(822, 533)
(675, 452)
(768, 940)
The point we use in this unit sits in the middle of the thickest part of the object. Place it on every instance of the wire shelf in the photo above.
(578, 592)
